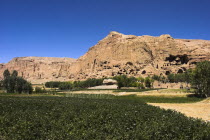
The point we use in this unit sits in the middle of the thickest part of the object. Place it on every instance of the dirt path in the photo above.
(162, 92)
(197, 110)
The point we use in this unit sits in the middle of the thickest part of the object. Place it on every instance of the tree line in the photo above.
(12, 83)
(91, 82)
(122, 81)
(198, 78)
(140, 82)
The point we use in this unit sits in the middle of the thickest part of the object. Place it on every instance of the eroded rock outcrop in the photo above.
(133, 55)
(117, 54)
(40, 69)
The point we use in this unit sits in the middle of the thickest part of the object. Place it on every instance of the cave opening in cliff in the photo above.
(144, 72)
(171, 58)
(180, 71)
(167, 72)
(179, 58)
(193, 63)
(129, 63)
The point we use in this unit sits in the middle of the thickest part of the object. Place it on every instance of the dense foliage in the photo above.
(201, 79)
(175, 77)
(14, 84)
(180, 77)
(160, 78)
(125, 81)
(40, 90)
(74, 85)
(140, 82)
(52, 84)
(76, 118)
(1, 84)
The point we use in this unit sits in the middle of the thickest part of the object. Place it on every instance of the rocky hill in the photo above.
(117, 54)
(140, 55)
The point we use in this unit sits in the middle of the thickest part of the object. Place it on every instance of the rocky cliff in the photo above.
(117, 54)
(140, 55)
(40, 69)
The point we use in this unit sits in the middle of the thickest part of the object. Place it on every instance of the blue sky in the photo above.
(68, 28)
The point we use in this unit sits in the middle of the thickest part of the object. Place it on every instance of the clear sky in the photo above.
(68, 28)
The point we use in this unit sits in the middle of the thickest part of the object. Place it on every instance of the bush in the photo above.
(52, 84)
(39, 90)
(124, 81)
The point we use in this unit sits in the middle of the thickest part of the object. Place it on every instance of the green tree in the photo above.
(148, 82)
(188, 76)
(156, 77)
(14, 84)
(201, 79)
(171, 78)
(14, 73)
(65, 86)
(1, 84)
(124, 81)
(6, 73)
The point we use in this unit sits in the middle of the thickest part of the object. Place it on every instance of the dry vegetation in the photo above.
(197, 110)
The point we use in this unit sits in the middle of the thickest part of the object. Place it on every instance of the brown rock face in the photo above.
(40, 69)
(133, 55)
(117, 54)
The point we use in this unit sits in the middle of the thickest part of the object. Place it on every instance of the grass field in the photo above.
(147, 99)
(85, 118)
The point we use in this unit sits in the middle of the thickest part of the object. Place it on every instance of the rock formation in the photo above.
(117, 54)
(40, 69)
(133, 55)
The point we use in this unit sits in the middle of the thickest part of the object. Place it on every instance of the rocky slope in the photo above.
(40, 69)
(114, 55)
(140, 55)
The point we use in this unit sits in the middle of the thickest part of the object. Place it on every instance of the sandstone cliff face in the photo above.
(40, 69)
(140, 56)
(117, 54)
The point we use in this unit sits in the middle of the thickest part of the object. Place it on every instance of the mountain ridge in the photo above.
(117, 54)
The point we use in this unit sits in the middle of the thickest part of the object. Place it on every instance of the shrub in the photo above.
(124, 81)
(39, 90)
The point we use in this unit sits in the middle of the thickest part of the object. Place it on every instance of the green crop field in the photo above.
(86, 118)
(147, 99)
